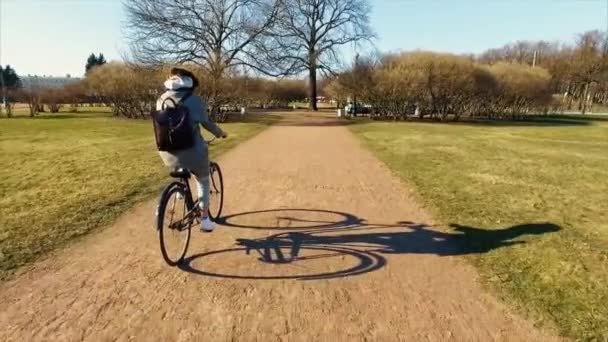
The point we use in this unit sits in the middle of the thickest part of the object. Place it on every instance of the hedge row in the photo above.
(446, 86)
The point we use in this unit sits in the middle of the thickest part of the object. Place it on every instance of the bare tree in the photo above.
(588, 64)
(308, 35)
(212, 34)
(31, 96)
(578, 71)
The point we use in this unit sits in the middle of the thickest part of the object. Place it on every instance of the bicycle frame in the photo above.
(193, 212)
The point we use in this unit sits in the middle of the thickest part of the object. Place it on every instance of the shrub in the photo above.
(521, 89)
(446, 86)
(131, 92)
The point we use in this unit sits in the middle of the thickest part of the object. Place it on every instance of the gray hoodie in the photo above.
(196, 158)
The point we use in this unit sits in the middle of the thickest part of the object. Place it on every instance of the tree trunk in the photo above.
(9, 110)
(33, 104)
(312, 88)
(584, 99)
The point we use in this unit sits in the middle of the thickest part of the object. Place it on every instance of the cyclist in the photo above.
(181, 84)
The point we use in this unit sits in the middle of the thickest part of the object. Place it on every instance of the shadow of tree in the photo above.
(555, 120)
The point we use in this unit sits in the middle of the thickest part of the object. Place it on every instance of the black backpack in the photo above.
(172, 127)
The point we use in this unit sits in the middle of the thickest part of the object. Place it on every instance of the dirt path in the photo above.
(356, 261)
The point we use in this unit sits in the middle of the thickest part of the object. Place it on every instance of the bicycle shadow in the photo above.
(352, 237)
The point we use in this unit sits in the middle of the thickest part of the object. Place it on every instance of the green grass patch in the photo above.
(496, 178)
(63, 175)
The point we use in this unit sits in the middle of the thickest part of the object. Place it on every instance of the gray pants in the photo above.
(195, 159)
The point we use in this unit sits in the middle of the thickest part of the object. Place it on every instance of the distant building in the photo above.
(35, 81)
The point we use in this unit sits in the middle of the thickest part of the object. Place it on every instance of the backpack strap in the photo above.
(167, 98)
(175, 104)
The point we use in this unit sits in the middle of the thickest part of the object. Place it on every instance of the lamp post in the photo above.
(3, 90)
(355, 85)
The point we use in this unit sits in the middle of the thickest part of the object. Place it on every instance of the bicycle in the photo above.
(176, 198)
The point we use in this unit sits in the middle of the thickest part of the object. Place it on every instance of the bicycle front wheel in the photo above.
(216, 191)
(173, 224)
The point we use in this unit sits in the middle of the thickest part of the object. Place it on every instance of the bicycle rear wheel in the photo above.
(173, 224)
(216, 191)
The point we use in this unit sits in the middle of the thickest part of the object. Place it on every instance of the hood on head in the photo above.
(178, 82)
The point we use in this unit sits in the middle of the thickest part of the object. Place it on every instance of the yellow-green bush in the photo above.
(446, 86)
(131, 92)
(521, 89)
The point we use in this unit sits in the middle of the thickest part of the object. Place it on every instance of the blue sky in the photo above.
(54, 37)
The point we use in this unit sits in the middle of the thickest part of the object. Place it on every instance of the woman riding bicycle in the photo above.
(180, 84)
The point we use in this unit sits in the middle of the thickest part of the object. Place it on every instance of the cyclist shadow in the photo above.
(418, 239)
(369, 243)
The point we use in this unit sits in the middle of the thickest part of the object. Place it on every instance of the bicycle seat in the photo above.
(180, 173)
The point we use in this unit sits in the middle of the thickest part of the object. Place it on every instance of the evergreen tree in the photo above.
(10, 78)
(101, 60)
(94, 61)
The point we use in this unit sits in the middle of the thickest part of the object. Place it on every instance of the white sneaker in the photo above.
(207, 225)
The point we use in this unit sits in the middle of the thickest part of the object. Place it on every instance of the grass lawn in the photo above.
(64, 175)
(304, 105)
(493, 177)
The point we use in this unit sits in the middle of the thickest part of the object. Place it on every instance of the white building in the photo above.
(35, 81)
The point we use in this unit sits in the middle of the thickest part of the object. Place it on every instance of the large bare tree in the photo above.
(308, 34)
(589, 64)
(213, 34)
